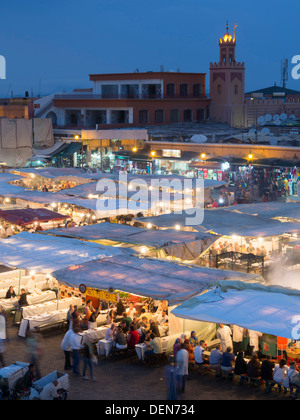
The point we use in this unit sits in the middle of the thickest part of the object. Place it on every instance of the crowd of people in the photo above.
(229, 358)
(127, 328)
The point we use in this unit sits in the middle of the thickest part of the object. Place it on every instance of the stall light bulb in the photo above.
(177, 227)
(149, 226)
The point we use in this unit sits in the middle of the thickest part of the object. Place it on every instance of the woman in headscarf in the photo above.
(193, 339)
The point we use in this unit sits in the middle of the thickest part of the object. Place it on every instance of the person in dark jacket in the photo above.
(29, 376)
(240, 364)
(267, 368)
(10, 293)
(254, 367)
(23, 298)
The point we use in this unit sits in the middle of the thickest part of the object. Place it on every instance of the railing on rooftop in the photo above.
(93, 96)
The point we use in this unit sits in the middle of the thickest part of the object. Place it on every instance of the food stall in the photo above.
(151, 278)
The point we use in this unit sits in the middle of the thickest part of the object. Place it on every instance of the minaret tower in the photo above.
(227, 84)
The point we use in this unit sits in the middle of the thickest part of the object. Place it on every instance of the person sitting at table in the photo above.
(111, 333)
(190, 349)
(135, 323)
(216, 358)
(133, 337)
(227, 361)
(240, 364)
(267, 368)
(23, 298)
(200, 359)
(127, 320)
(254, 367)
(163, 319)
(154, 327)
(146, 314)
(193, 339)
(121, 342)
(10, 293)
(155, 345)
(280, 372)
(131, 311)
(29, 376)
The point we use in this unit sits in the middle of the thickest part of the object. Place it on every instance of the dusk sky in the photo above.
(54, 46)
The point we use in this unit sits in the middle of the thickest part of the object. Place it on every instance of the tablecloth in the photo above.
(14, 280)
(93, 336)
(46, 318)
(33, 299)
(142, 348)
(42, 285)
(104, 347)
(50, 306)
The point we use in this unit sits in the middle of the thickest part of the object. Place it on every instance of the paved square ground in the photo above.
(127, 379)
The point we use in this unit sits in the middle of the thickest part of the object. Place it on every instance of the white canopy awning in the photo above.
(227, 223)
(153, 278)
(46, 254)
(260, 310)
(180, 244)
(272, 209)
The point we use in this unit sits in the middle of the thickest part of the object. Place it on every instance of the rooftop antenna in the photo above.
(284, 72)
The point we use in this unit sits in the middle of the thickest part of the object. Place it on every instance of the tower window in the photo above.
(219, 89)
(236, 89)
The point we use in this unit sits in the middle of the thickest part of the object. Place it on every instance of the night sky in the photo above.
(53, 46)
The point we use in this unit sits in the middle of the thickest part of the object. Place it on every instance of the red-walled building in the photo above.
(131, 99)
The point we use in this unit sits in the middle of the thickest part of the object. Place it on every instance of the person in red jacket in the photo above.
(133, 337)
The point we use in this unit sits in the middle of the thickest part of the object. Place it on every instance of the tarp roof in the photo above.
(29, 216)
(271, 209)
(227, 223)
(158, 279)
(47, 254)
(259, 310)
(130, 234)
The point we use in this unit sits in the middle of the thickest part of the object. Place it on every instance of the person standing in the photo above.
(224, 334)
(238, 337)
(182, 366)
(254, 337)
(76, 346)
(66, 347)
(87, 362)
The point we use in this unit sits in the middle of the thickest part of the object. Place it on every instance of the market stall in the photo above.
(244, 240)
(148, 278)
(50, 253)
(272, 311)
(149, 242)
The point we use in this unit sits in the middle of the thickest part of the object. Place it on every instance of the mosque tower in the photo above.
(227, 84)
